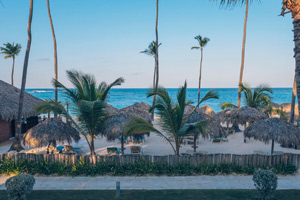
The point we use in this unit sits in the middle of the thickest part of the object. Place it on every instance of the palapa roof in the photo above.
(223, 116)
(49, 130)
(193, 114)
(214, 129)
(246, 114)
(9, 102)
(116, 122)
(276, 129)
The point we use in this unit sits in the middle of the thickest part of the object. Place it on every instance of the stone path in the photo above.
(154, 183)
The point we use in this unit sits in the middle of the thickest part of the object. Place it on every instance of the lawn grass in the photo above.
(154, 194)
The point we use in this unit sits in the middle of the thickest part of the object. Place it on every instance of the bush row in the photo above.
(138, 168)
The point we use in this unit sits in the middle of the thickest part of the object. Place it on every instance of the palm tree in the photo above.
(293, 102)
(172, 122)
(157, 45)
(202, 43)
(88, 104)
(152, 51)
(17, 143)
(234, 3)
(293, 7)
(11, 51)
(55, 50)
(258, 97)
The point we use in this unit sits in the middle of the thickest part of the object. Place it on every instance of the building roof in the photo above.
(9, 102)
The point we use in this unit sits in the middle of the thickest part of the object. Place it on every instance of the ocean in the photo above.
(121, 98)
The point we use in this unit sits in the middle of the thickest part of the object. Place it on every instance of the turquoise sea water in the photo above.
(121, 98)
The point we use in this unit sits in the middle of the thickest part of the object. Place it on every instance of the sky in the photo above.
(104, 38)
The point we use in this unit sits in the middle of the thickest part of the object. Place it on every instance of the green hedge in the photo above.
(132, 169)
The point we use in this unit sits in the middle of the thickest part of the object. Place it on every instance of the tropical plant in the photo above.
(16, 145)
(202, 43)
(11, 51)
(258, 97)
(55, 49)
(19, 186)
(234, 3)
(172, 121)
(265, 182)
(88, 104)
(152, 50)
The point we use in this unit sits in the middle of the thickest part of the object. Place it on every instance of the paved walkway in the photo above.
(153, 183)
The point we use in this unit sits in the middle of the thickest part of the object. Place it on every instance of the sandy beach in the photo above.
(155, 145)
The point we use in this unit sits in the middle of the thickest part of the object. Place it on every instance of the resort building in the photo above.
(9, 103)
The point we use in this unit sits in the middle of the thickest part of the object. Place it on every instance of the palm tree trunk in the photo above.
(292, 114)
(12, 71)
(156, 70)
(17, 143)
(199, 86)
(55, 52)
(92, 147)
(243, 55)
(297, 56)
(154, 83)
(272, 147)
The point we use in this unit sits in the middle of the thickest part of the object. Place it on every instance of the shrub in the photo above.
(265, 182)
(19, 186)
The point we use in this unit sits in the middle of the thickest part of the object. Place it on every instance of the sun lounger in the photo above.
(68, 149)
(113, 150)
(124, 139)
(136, 150)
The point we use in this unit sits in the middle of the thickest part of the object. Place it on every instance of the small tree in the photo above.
(265, 182)
(172, 120)
(19, 187)
(88, 103)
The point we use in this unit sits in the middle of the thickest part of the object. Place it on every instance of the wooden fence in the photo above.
(242, 160)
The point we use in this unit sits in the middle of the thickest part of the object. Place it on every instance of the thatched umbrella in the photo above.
(50, 131)
(116, 123)
(274, 129)
(214, 129)
(207, 110)
(246, 114)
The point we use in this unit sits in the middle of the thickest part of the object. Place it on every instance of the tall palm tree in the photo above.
(157, 44)
(258, 97)
(152, 50)
(234, 3)
(11, 51)
(88, 103)
(55, 50)
(293, 102)
(202, 43)
(293, 6)
(17, 143)
(172, 121)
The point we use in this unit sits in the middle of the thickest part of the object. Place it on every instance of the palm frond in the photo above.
(212, 94)
(225, 106)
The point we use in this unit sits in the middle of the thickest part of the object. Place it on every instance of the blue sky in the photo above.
(104, 37)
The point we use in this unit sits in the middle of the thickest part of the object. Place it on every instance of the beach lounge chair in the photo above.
(113, 150)
(124, 139)
(69, 149)
(136, 150)
(216, 139)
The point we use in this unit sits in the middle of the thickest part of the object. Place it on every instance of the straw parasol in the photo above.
(214, 129)
(116, 123)
(9, 102)
(274, 129)
(246, 114)
(223, 116)
(50, 131)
